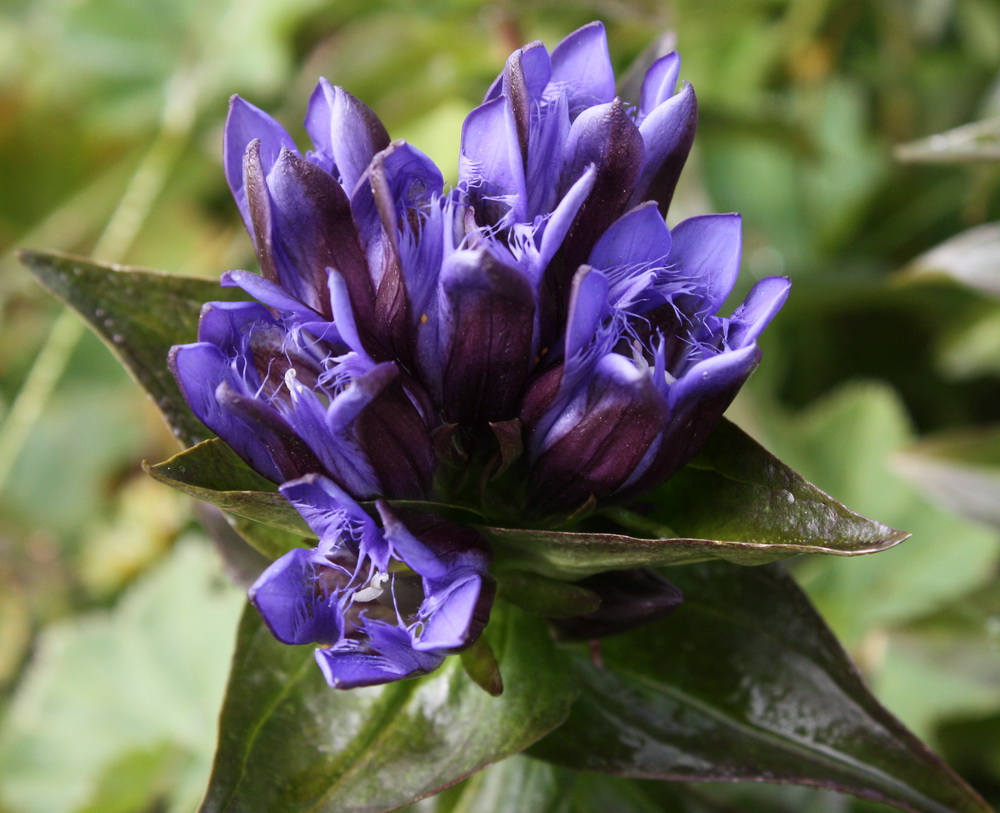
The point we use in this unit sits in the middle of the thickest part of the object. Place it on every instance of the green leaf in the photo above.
(289, 742)
(140, 314)
(736, 489)
(524, 785)
(735, 502)
(213, 473)
(745, 682)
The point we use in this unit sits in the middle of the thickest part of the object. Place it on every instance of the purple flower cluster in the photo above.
(532, 344)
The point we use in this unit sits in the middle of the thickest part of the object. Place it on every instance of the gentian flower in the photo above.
(533, 343)
(385, 603)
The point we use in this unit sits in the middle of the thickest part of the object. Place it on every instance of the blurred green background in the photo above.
(827, 124)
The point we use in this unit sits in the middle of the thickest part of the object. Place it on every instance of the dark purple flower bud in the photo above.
(605, 137)
(629, 598)
(345, 132)
(303, 227)
(395, 438)
(297, 210)
(598, 439)
(667, 133)
(487, 324)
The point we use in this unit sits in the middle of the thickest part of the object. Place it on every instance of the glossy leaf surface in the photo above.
(524, 785)
(735, 502)
(375, 749)
(745, 682)
(736, 489)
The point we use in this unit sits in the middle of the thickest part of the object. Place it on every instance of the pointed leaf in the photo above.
(214, 473)
(736, 489)
(735, 502)
(290, 742)
(139, 314)
(745, 682)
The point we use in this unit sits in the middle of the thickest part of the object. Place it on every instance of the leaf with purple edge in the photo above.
(524, 785)
(745, 682)
(375, 749)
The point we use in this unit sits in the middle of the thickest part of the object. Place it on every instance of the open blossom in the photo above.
(376, 622)
(533, 343)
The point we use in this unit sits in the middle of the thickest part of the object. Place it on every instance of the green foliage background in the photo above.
(881, 378)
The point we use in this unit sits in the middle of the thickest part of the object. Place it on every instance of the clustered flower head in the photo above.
(533, 344)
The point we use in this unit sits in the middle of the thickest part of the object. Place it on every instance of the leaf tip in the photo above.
(894, 538)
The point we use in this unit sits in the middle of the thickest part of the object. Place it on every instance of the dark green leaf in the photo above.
(524, 785)
(736, 489)
(289, 742)
(214, 473)
(549, 598)
(745, 682)
(735, 502)
(140, 314)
